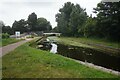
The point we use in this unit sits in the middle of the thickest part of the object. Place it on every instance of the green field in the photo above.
(28, 62)
(8, 41)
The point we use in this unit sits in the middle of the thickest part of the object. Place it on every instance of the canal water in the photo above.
(86, 55)
(53, 48)
(90, 55)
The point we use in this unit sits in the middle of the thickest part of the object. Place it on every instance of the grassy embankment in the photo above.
(28, 62)
(99, 44)
(90, 41)
(7, 41)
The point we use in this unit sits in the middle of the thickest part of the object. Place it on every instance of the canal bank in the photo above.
(90, 57)
(29, 62)
(111, 48)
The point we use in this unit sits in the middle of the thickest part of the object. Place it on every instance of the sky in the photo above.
(11, 10)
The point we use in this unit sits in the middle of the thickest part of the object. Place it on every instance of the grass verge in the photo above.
(92, 41)
(98, 41)
(28, 62)
(9, 41)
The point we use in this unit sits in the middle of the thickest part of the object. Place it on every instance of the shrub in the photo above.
(5, 35)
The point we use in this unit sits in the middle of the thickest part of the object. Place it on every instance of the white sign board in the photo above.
(17, 33)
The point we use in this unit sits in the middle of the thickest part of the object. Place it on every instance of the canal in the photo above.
(89, 55)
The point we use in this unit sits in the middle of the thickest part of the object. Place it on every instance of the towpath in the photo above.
(6, 49)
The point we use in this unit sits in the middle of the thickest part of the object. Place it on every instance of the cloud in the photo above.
(11, 10)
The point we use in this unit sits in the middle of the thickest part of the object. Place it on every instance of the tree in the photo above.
(89, 28)
(108, 19)
(32, 21)
(77, 20)
(63, 19)
(49, 27)
(43, 25)
(70, 19)
(55, 29)
(5, 29)
(20, 26)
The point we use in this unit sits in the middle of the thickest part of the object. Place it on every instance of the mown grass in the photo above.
(98, 41)
(28, 62)
(92, 41)
(7, 41)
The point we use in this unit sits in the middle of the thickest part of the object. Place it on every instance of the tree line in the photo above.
(72, 20)
(31, 24)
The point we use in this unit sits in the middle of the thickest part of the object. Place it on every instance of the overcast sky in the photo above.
(11, 10)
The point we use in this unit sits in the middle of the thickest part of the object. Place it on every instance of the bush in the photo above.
(5, 35)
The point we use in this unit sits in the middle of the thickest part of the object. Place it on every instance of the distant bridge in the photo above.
(52, 34)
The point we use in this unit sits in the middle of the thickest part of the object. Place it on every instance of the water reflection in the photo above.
(90, 55)
(53, 48)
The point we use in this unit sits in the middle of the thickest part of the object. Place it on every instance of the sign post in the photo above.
(17, 34)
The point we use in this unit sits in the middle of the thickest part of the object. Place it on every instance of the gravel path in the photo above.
(4, 50)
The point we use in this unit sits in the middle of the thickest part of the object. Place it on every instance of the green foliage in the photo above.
(43, 25)
(55, 29)
(70, 19)
(5, 35)
(38, 24)
(77, 20)
(32, 21)
(89, 29)
(32, 24)
(7, 29)
(20, 26)
(108, 20)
